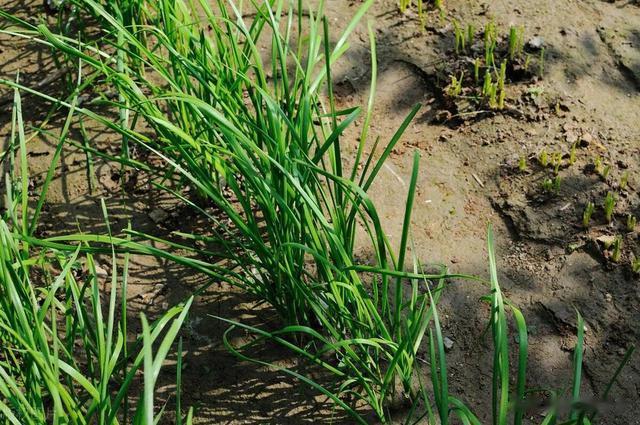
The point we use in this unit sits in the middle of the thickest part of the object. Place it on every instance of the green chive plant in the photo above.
(635, 265)
(64, 353)
(631, 222)
(588, 212)
(624, 180)
(617, 249)
(609, 206)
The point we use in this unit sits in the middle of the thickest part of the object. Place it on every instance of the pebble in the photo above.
(536, 42)
(158, 215)
(448, 343)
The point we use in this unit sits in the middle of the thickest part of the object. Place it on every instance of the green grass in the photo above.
(262, 142)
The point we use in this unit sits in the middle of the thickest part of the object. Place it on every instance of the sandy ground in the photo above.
(548, 263)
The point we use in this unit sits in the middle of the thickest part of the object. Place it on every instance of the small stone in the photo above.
(536, 43)
(101, 272)
(608, 297)
(158, 215)
(571, 136)
(586, 139)
(448, 343)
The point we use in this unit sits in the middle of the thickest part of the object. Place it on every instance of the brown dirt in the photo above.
(548, 264)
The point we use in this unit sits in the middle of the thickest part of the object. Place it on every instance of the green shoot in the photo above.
(471, 34)
(624, 180)
(572, 153)
(527, 62)
(635, 265)
(617, 249)
(513, 42)
(587, 213)
(556, 161)
(631, 222)
(455, 88)
(476, 70)
(522, 163)
(459, 37)
(552, 185)
(609, 206)
(543, 158)
(541, 63)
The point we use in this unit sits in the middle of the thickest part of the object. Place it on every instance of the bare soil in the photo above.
(549, 264)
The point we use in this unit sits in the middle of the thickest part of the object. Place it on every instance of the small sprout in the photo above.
(460, 39)
(455, 88)
(605, 172)
(597, 165)
(609, 205)
(489, 43)
(551, 185)
(541, 64)
(572, 153)
(624, 180)
(631, 222)
(543, 158)
(501, 98)
(421, 14)
(520, 46)
(588, 212)
(513, 42)
(522, 164)
(501, 80)
(471, 34)
(617, 249)
(493, 103)
(486, 87)
(635, 265)
(556, 161)
(527, 62)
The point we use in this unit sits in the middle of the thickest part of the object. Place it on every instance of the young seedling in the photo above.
(572, 153)
(527, 62)
(513, 42)
(471, 34)
(556, 161)
(543, 158)
(587, 213)
(624, 180)
(605, 172)
(459, 38)
(552, 185)
(522, 164)
(617, 249)
(541, 64)
(609, 205)
(635, 265)
(486, 87)
(501, 80)
(631, 222)
(421, 15)
(455, 88)
(489, 43)
(476, 70)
